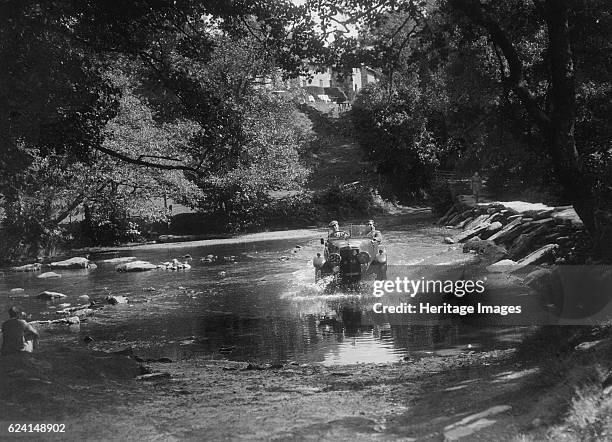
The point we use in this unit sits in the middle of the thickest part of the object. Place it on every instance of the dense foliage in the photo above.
(109, 107)
(460, 91)
(391, 128)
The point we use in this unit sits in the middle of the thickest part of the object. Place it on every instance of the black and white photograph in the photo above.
(306, 220)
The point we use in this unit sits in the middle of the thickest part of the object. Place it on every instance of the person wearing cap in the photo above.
(334, 230)
(17, 334)
(373, 234)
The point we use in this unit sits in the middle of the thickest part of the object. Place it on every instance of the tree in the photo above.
(173, 122)
(543, 65)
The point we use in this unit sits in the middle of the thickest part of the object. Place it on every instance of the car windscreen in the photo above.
(357, 230)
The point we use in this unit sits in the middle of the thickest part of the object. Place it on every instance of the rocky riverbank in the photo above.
(520, 233)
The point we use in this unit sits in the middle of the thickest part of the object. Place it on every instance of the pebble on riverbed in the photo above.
(49, 275)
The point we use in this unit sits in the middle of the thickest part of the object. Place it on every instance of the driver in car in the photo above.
(335, 232)
(373, 234)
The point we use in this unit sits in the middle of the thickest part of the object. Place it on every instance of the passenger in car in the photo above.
(334, 230)
(374, 234)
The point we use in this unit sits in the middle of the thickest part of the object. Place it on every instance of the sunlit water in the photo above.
(267, 307)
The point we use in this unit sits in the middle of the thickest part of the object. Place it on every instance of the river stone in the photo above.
(136, 266)
(119, 260)
(16, 290)
(467, 234)
(485, 247)
(588, 345)
(73, 320)
(501, 235)
(114, 300)
(84, 298)
(63, 321)
(454, 220)
(463, 223)
(502, 266)
(481, 219)
(49, 275)
(540, 255)
(27, 268)
(495, 226)
(50, 295)
(72, 263)
(84, 312)
(449, 240)
(526, 242)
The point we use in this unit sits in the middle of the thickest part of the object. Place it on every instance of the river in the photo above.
(265, 306)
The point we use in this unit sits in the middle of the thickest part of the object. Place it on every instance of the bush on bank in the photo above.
(575, 368)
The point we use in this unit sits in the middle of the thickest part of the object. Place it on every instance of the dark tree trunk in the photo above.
(560, 134)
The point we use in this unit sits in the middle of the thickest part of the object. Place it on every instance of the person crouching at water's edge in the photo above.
(17, 335)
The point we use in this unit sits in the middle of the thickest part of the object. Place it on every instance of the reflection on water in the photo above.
(265, 306)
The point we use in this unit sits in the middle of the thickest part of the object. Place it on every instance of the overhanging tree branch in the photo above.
(515, 79)
(141, 162)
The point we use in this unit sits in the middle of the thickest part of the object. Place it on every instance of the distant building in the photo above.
(318, 79)
(321, 79)
(359, 78)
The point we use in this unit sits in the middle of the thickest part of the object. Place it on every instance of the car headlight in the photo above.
(318, 261)
(381, 258)
(363, 257)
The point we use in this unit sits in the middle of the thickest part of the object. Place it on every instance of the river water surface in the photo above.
(264, 307)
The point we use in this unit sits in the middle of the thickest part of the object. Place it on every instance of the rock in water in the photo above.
(16, 290)
(119, 260)
(49, 275)
(485, 247)
(467, 234)
(449, 240)
(136, 266)
(539, 256)
(74, 320)
(114, 300)
(27, 268)
(72, 263)
(503, 266)
(50, 295)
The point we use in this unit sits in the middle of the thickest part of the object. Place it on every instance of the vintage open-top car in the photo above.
(350, 255)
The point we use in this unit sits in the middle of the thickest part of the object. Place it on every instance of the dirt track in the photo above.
(474, 395)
